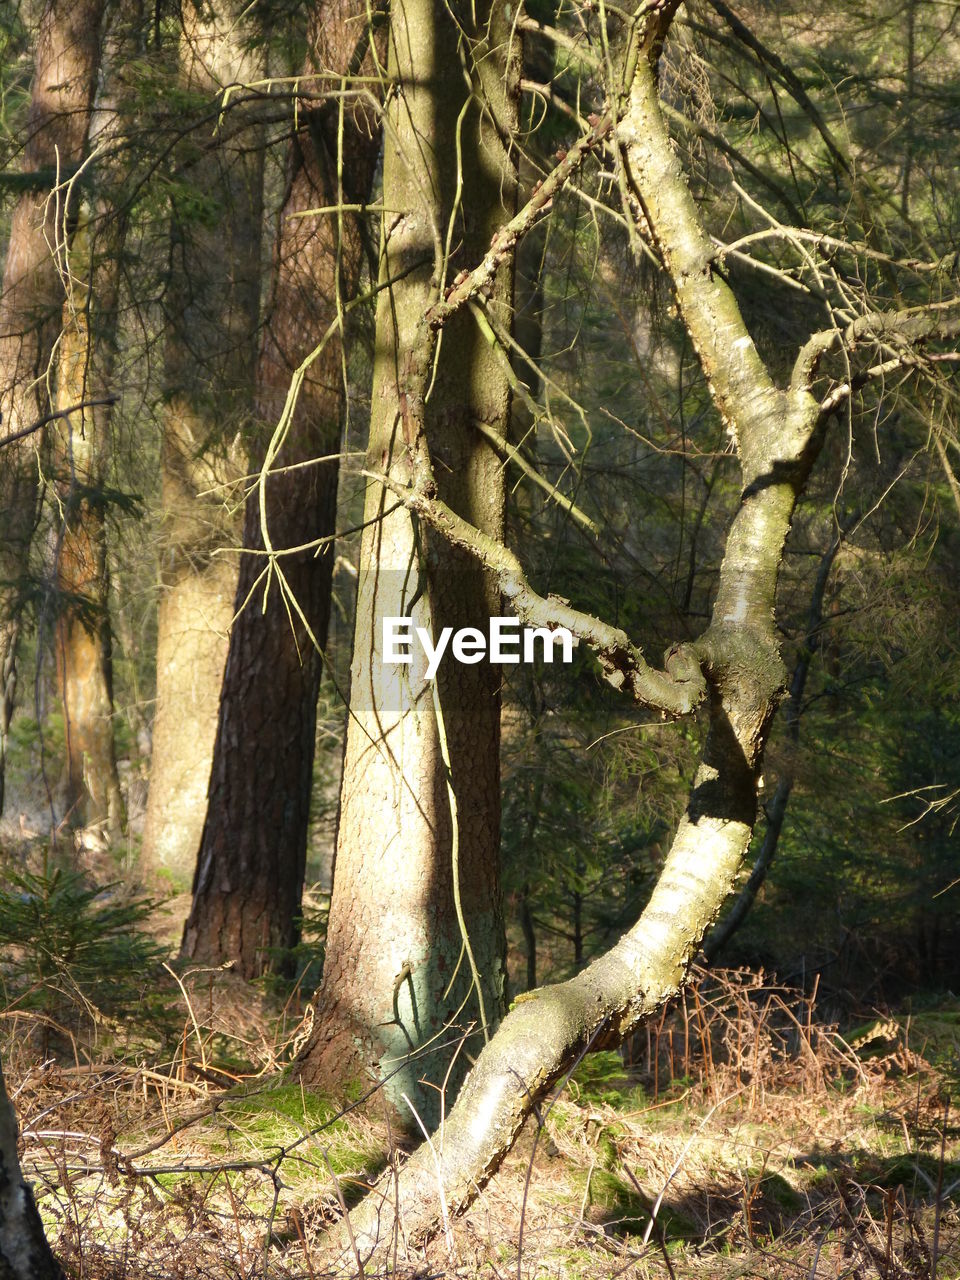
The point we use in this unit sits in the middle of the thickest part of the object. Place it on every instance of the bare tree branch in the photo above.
(675, 692)
(52, 417)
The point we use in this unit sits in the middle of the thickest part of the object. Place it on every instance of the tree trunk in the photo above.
(777, 436)
(776, 810)
(211, 327)
(529, 935)
(249, 877)
(417, 862)
(65, 76)
(24, 1252)
(83, 640)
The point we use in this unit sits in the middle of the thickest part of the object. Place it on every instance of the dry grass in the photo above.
(744, 1137)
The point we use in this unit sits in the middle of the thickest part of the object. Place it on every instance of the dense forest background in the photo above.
(215, 282)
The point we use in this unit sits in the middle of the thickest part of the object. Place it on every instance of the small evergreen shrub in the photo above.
(74, 950)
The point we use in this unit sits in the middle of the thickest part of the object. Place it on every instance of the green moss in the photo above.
(919, 1173)
(173, 1181)
(777, 1191)
(607, 1154)
(353, 1090)
(178, 881)
(275, 1117)
(614, 1201)
(572, 1264)
(601, 1078)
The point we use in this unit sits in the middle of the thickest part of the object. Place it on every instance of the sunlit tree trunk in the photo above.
(24, 1251)
(249, 877)
(66, 65)
(91, 794)
(211, 335)
(775, 810)
(399, 983)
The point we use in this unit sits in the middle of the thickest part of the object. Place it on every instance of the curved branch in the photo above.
(752, 407)
(675, 692)
(776, 811)
(736, 662)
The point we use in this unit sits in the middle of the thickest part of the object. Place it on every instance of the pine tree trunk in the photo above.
(249, 878)
(397, 983)
(24, 1252)
(83, 641)
(211, 327)
(66, 66)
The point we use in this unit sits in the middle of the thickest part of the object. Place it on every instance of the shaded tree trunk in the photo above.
(83, 640)
(418, 847)
(249, 877)
(211, 327)
(529, 935)
(24, 1251)
(67, 62)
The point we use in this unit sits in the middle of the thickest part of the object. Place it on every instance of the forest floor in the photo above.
(741, 1136)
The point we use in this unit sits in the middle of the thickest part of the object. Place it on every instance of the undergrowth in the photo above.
(740, 1135)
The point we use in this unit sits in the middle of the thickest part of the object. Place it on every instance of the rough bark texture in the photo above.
(249, 877)
(91, 792)
(397, 985)
(211, 325)
(776, 436)
(24, 1252)
(67, 60)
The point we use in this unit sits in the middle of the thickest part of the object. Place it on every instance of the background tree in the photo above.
(65, 74)
(83, 643)
(250, 868)
(211, 318)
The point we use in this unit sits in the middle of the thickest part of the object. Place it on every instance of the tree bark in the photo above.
(24, 1251)
(91, 796)
(249, 878)
(776, 810)
(529, 935)
(65, 76)
(211, 327)
(417, 862)
(777, 438)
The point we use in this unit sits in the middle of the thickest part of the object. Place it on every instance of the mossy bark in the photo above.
(776, 808)
(398, 989)
(249, 877)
